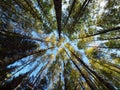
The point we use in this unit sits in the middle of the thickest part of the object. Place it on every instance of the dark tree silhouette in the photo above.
(86, 56)
(58, 11)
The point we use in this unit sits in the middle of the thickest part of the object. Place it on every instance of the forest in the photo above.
(59, 44)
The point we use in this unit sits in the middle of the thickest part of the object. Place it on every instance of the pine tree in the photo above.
(59, 44)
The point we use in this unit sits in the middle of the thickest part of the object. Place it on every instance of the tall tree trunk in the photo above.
(103, 39)
(92, 87)
(65, 77)
(80, 13)
(43, 11)
(58, 11)
(108, 65)
(8, 61)
(14, 34)
(107, 84)
(101, 32)
(40, 73)
(72, 6)
(84, 76)
(6, 8)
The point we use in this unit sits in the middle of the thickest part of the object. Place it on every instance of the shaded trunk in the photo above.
(108, 65)
(82, 9)
(8, 61)
(12, 84)
(114, 47)
(32, 10)
(43, 11)
(106, 83)
(14, 34)
(58, 11)
(101, 32)
(65, 77)
(6, 7)
(103, 39)
(83, 75)
(80, 13)
(38, 76)
(17, 69)
(72, 6)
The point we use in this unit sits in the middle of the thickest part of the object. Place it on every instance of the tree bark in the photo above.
(72, 6)
(107, 84)
(80, 13)
(65, 77)
(101, 32)
(83, 75)
(5, 62)
(58, 11)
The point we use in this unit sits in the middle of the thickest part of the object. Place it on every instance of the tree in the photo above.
(59, 44)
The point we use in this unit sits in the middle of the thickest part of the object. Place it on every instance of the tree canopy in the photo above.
(59, 44)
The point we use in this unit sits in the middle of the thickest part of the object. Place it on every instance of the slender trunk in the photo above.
(82, 9)
(5, 62)
(80, 13)
(108, 66)
(107, 84)
(104, 47)
(34, 13)
(40, 73)
(72, 6)
(103, 39)
(5, 6)
(101, 32)
(59, 82)
(43, 11)
(83, 75)
(18, 2)
(58, 11)
(11, 18)
(23, 65)
(65, 77)
(81, 84)
(13, 34)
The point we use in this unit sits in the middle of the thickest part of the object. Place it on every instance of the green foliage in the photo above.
(54, 45)
(114, 43)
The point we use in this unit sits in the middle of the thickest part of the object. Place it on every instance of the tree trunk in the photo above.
(101, 32)
(72, 6)
(8, 61)
(58, 11)
(80, 13)
(65, 77)
(107, 84)
(82, 74)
